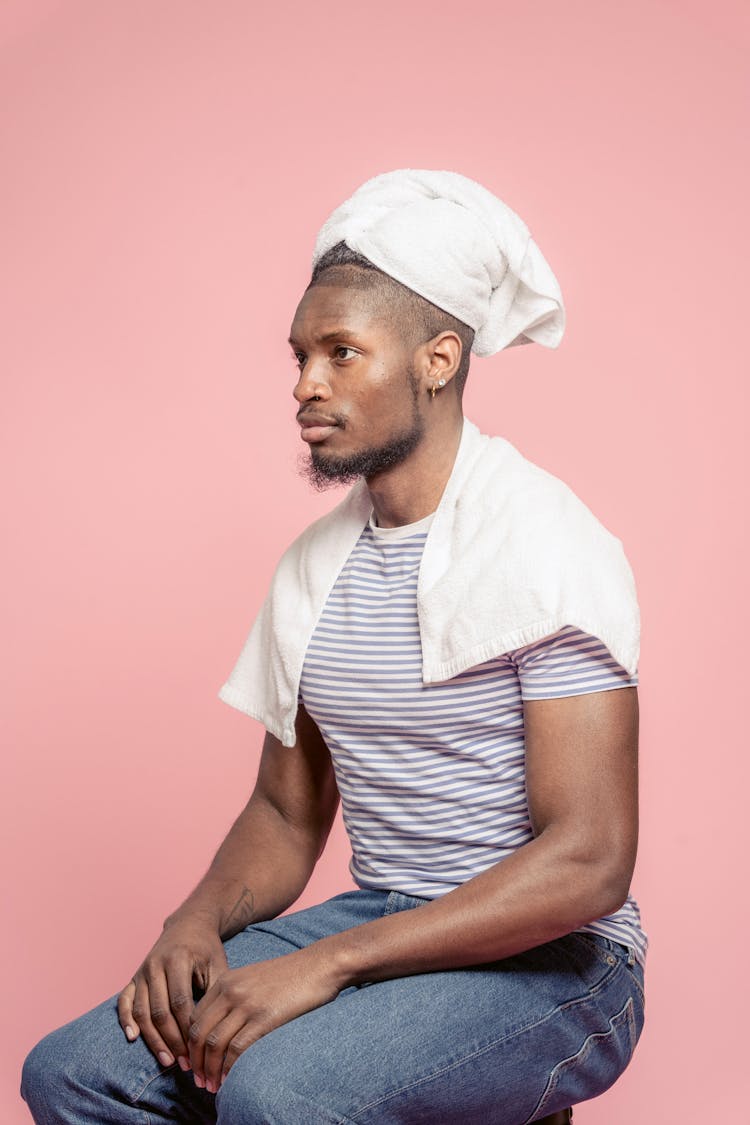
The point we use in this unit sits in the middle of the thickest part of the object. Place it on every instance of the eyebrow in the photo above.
(337, 332)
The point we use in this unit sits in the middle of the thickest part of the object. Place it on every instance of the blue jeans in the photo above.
(499, 1044)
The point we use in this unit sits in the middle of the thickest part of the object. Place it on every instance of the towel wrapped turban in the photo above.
(453, 242)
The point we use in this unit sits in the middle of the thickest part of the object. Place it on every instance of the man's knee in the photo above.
(43, 1078)
(65, 1076)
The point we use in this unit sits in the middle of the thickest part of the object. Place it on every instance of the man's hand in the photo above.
(159, 999)
(272, 847)
(247, 1003)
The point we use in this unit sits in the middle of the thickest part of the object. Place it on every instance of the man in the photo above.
(440, 652)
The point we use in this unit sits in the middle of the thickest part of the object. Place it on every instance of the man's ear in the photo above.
(444, 352)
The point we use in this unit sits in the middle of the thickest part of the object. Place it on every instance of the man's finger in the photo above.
(150, 1033)
(125, 1015)
(179, 984)
(204, 1018)
(216, 969)
(216, 1044)
(239, 1042)
(163, 1018)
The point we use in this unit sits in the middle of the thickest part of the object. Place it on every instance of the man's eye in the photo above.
(299, 358)
(343, 348)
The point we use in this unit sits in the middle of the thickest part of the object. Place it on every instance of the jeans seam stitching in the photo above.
(641, 990)
(626, 1011)
(136, 1097)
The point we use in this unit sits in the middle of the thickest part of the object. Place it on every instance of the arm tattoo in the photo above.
(241, 914)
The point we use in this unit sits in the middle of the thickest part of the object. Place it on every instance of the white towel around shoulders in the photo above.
(512, 555)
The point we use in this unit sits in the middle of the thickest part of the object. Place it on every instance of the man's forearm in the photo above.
(542, 891)
(262, 866)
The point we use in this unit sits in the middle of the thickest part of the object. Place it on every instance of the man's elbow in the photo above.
(602, 872)
(612, 894)
(609, 882)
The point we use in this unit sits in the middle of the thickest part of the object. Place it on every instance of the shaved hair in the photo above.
(416, 317)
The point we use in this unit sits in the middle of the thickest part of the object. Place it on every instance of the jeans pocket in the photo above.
(591, 957)
(606, 949)
(596, 1065)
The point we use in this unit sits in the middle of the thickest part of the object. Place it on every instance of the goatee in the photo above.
(324, 472)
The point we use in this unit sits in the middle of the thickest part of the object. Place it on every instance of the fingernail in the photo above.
(199, 1082)
(184, 1063)
(129, 1032)
(165, 1058)
(211, 1087)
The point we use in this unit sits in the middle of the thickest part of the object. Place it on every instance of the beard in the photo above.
(323, 471)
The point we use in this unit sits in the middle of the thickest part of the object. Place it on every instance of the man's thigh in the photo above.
(544, 1029)
(500, 1044)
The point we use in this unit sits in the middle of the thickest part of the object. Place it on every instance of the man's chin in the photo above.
(328, 470)
(324, 471)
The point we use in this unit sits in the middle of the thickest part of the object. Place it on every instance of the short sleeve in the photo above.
(568, 662)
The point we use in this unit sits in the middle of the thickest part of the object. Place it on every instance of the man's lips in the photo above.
(315, 427)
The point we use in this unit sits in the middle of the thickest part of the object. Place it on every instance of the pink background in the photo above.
(165, 168)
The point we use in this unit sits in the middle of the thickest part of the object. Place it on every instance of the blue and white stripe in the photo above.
(432, 776)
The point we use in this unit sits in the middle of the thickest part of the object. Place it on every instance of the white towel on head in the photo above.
(455, 243)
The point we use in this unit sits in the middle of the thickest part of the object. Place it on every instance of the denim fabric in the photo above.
(499, 1044)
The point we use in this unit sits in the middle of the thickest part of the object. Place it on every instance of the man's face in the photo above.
(359, 394)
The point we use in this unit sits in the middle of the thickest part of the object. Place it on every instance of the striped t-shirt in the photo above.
(431, 776)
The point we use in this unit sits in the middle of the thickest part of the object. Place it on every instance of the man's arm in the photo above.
(582, 789)
(260, 869)
(581, 774)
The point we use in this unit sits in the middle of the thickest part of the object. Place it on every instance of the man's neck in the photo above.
(412, 490)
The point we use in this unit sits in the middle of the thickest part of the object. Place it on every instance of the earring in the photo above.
(434, 387)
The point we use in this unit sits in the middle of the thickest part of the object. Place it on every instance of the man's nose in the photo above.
(310, 384)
